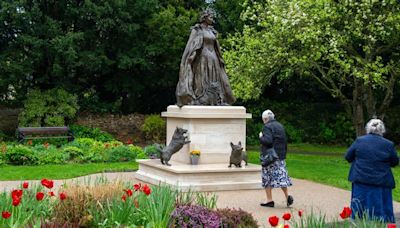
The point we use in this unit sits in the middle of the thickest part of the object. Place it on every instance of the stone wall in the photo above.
(9, 120)
(123, 127)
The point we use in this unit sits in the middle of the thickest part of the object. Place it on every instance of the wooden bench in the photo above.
(25, 133)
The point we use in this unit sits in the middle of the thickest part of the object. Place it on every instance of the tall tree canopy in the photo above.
(123, 52)
(351, 48)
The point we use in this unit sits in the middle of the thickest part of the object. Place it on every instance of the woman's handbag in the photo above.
(268, 158)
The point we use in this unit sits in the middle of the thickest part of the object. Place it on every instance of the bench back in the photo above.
(43, 130)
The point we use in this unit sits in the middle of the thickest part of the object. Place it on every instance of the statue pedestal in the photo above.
(210, 129)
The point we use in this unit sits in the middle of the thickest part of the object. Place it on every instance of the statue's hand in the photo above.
(191, 57)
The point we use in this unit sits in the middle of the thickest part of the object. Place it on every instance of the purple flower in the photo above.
(195, 216)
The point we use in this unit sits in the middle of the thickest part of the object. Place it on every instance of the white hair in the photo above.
(268, 115)
(375, 126)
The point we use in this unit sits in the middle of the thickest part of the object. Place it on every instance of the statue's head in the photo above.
(207, 16)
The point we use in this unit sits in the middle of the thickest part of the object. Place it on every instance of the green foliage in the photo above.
(120, 154)
(50, 155)
(314, 122)
(154, 128)
(51, 45)
(21, 155)
(151, 151)
(81, 131)
(48, 108)
(349, 47)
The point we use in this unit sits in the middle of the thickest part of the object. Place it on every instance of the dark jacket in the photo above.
(371, 157)
(274, 136)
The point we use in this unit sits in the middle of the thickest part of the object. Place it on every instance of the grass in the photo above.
(58, 172)
(305, 148)
(329, 170)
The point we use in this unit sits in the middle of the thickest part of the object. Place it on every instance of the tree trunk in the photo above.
(358, 109)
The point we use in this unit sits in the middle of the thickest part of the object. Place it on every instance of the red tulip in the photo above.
(39, 196)
(391, 225)
(345, 213)
(123, 198)
(273, 220)
(146, 189)
(51, 194)
(25, 185)
(16, 194)
(47, 183)
(129, 141)
(16, 201)
(63, 196)
(300, 213)
(286, 226)
(128, 192)
(5, 214)
(286, 216)
(137, 186)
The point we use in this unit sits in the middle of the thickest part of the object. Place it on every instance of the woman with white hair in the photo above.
(275, 175)
(372, 157)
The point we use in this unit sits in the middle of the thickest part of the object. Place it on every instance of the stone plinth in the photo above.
(210, 128)
(208, 177)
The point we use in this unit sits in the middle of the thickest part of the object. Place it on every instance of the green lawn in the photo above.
(58, 172)
(327, 169)
(330, 170)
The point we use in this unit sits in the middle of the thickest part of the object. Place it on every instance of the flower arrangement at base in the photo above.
(194, 157)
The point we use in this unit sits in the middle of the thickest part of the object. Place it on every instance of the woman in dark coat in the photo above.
(276, 174)
(372, 157)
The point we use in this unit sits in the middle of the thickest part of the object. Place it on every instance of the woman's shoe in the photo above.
(269, 204)
(289, 200)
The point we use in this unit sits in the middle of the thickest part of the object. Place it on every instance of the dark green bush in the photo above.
(120, 154)
(151, 151)
(21, 155)
(81, 131)
(236, 218)
(311, 122)
(49, 154)
(154, 128)
(48, 108)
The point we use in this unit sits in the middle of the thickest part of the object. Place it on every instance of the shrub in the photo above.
(81, 131)
(21, 155)
(74, 153)
(154, 128)
(120, 154)
(236, 218)
(48, 108)
(194, 216)
(49, 154)
(138, 151)
(151, 151)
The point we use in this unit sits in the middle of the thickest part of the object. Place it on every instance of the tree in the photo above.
(351, 48)
(116, 55)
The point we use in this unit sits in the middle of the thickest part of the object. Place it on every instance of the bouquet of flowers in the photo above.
(195, 153)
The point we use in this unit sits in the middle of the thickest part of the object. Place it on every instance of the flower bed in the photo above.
(82, 150)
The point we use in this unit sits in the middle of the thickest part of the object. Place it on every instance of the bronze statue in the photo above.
(237, 155)
(202, 67)
(179, 139)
